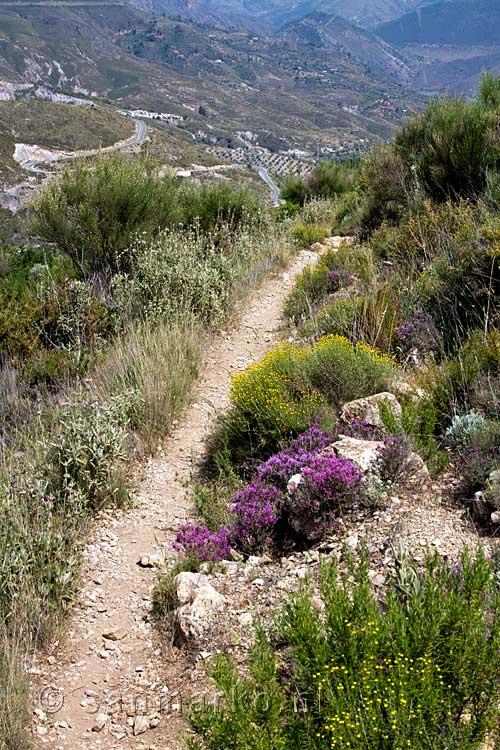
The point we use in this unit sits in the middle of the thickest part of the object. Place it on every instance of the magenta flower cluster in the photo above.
(328, 482)
(207, 545)
(361, 429)
(256, 508)
(278, 469)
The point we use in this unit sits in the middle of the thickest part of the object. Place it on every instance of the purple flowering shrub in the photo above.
(264, 510)
(338, 280)
(329, 484)
(361, 430)
(420, 332)
(193, 538)
(292, 458)
(257, 509)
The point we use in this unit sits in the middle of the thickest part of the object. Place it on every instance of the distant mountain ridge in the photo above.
(272, 15)
(466, 22)
(331, 32)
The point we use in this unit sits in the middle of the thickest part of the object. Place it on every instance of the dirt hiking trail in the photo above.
(89, 680)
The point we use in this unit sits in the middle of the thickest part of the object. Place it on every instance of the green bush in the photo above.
(476, 460)
(418, 672)
(327, 180)
(450, 151)
(462, 383)
(306, 235)
(313, 286)
(348, 213)
(211, 206)
(368, 317)
(386, 189)
(342, 371)
(489, 91)
(95, 211)
(451, 147)
(89, 449)
(337, 317)
(443, 260)
(333, 271)
(279, 397)
(419, 422)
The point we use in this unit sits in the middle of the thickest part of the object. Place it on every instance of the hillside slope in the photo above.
(341, 38)
(55, 126)
(220, 81)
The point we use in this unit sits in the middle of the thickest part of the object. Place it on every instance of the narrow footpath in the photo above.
(90, 680)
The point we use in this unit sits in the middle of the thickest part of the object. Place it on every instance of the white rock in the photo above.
(294, 482)
(197, 617)
(141, 725)
(364, 453)
(187, 584)
(246, 619)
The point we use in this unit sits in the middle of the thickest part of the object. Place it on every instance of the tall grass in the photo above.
(70, 457)
(157, 364)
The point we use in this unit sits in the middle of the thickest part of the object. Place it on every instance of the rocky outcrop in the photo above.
(363, 453)
(367, 410)
(199, 605)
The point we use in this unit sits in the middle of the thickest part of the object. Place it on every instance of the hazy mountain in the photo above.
(451, 43)
(287, 91)
(464, 22)
(267, 16)
(324, 32)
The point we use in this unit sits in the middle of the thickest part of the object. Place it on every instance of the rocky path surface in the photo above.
(90, 692)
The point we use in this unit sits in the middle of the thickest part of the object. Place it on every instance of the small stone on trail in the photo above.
(141, 725)
(246, 618)
(117, 634)
(100, 721)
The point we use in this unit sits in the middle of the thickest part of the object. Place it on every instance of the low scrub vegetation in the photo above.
(279, 397)
(411, 310)
(416, 670)
(101, 336)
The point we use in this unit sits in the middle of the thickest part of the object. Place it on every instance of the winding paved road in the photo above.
(135, 140)
(275, 191)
